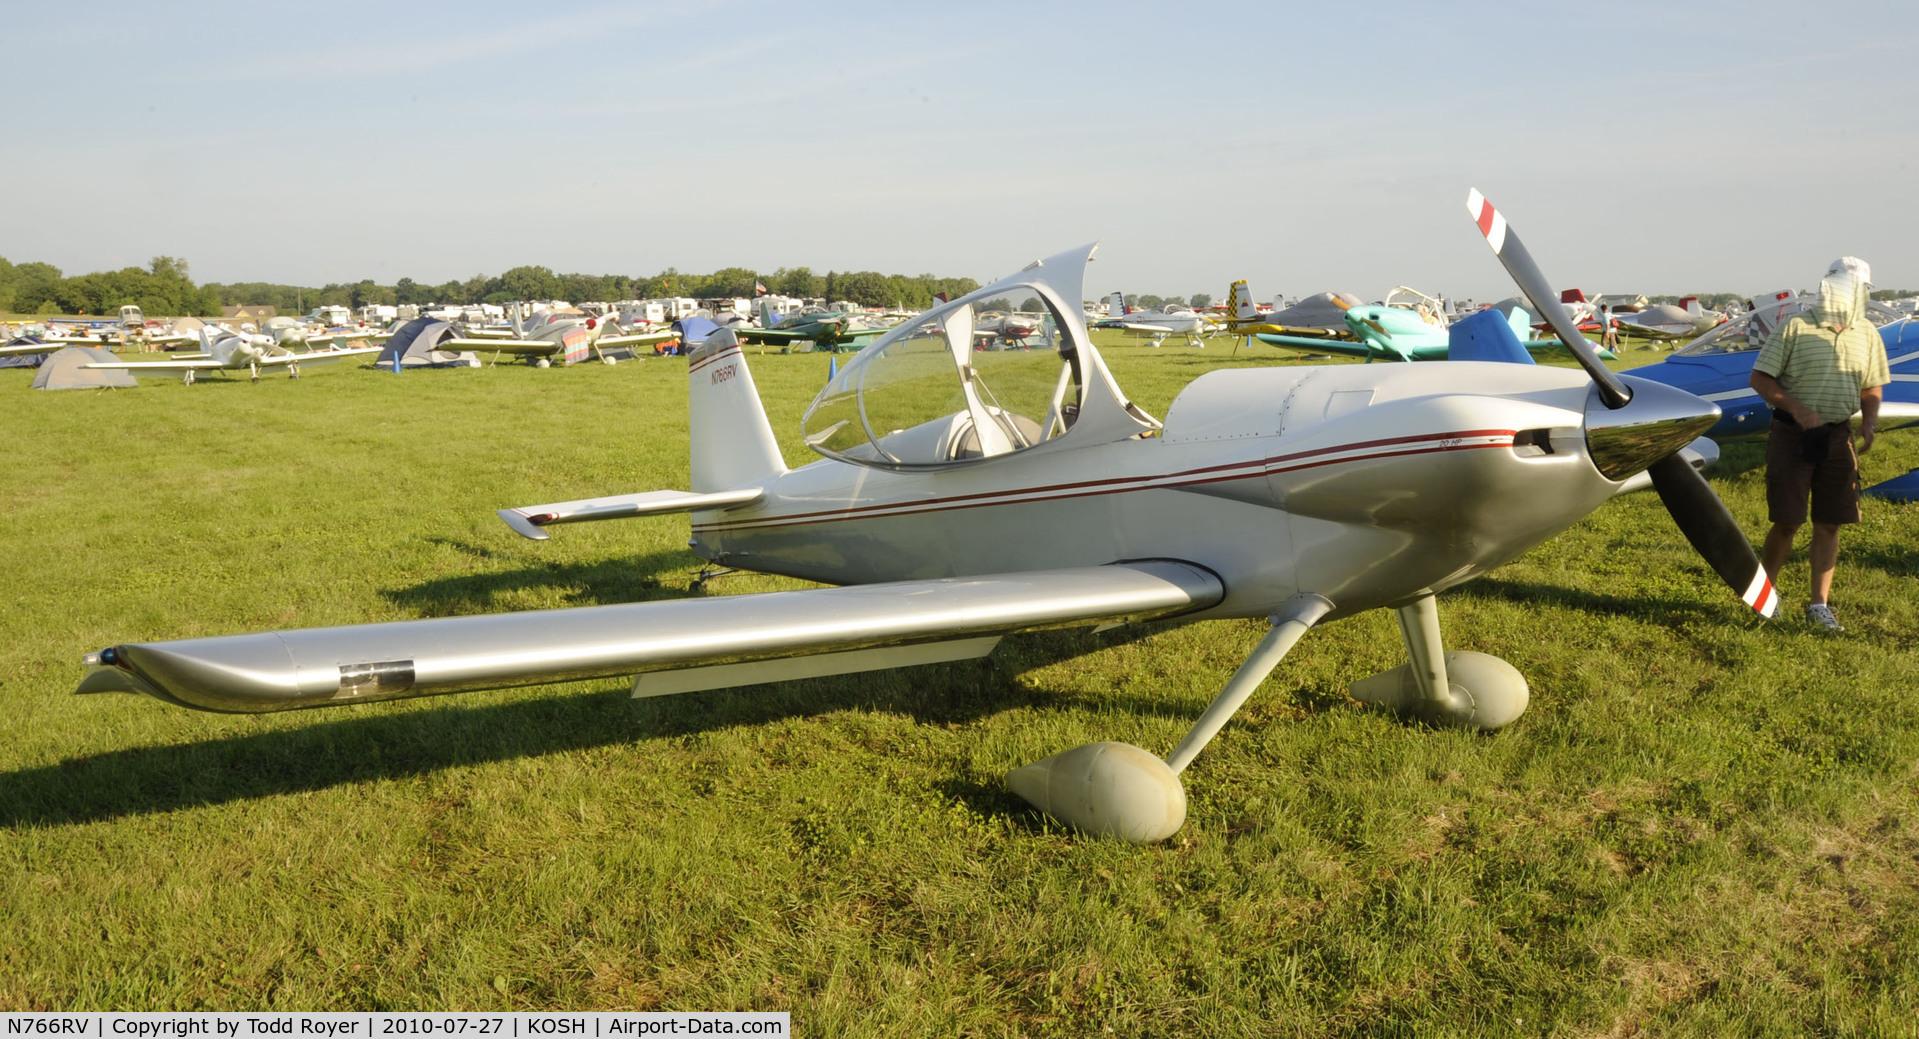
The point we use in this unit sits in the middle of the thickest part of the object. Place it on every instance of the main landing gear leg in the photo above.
(1464, 690)
(1120, 790)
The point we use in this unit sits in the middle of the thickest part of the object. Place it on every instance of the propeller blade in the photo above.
(1703, 518)
(1519, 264)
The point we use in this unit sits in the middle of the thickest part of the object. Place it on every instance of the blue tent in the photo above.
(693, 331)
(32, 360)
(415, 345)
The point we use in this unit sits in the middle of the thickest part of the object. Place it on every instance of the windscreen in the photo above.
(964, 381)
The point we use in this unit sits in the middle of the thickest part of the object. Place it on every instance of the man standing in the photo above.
(1818, 370)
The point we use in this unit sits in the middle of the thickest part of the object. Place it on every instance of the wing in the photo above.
(31, 348)
(517, 347)
(317, 355)
(349, 337)
(489, 333)
(766, 335)
(175, 365)
(637, 338)
(1254, 328)
(1341, 347)
(702, 643)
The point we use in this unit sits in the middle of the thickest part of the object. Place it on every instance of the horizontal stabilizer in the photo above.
(528, 521)
(1901, 489)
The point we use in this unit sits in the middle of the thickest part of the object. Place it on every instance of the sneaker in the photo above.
(1820, 614)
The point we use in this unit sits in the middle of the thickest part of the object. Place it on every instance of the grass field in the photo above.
(1702, 826)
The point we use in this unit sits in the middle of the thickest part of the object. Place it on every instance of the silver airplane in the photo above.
(1667, 320)
(570, 336)
(1168, 319)
(963, 496)
(222, 349)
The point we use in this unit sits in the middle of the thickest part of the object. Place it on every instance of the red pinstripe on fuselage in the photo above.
(1371, 450)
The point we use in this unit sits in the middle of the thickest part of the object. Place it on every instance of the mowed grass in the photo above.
(1702, 826)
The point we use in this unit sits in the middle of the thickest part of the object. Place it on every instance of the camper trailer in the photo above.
(636, 312)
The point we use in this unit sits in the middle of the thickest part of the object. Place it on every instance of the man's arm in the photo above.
(1869, 399)
(1774, 394)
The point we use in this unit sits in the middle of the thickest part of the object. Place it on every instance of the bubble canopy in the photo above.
(958, 385)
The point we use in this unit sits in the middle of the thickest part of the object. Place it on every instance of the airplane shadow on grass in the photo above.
(1669, 611)
(378, 742)
(597, 583)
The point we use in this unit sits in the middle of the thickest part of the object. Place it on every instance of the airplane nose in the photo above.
(1658, 421)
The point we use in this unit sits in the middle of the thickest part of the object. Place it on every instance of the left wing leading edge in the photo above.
(781, 634)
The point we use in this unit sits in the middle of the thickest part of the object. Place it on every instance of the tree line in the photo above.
(165, 287)
(867, 288)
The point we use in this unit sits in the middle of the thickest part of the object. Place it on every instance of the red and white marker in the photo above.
(1491, 224)
(1760, 596)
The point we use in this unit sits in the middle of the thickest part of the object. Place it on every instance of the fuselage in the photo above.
(1367, 487)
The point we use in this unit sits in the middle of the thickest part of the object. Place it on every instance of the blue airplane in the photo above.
(1719, 369)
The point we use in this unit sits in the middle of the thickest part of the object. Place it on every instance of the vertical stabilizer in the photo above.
(1116, 306)
(1241, 301)
(732, 442)
(1690, 305)
(1489, 335)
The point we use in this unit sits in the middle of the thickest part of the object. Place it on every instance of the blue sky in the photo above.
(1652, 147)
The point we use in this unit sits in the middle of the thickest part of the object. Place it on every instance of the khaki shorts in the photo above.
(1833, 484)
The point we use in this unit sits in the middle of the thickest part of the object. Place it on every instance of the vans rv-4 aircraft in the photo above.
(223, 349)
(1322, 315)
(964, 496)
(1168, 320)
(570, 336)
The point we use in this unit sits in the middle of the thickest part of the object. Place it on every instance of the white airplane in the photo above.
(568, 335)
(131, 331)
(222, 349)
(1007, 330)
(965, 496)
(1166, 320)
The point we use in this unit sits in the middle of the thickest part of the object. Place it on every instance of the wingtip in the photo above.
(522, 525)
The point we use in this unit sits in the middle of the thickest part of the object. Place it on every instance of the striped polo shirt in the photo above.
(1823, 368)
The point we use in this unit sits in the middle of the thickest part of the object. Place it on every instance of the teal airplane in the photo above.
(1397, 334)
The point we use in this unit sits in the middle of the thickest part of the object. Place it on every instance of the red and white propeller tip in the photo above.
(1491, 223)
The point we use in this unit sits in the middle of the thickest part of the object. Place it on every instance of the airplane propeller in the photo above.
(1699, 513)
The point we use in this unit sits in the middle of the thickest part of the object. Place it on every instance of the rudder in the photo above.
(732, 443)
(1242, 305)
